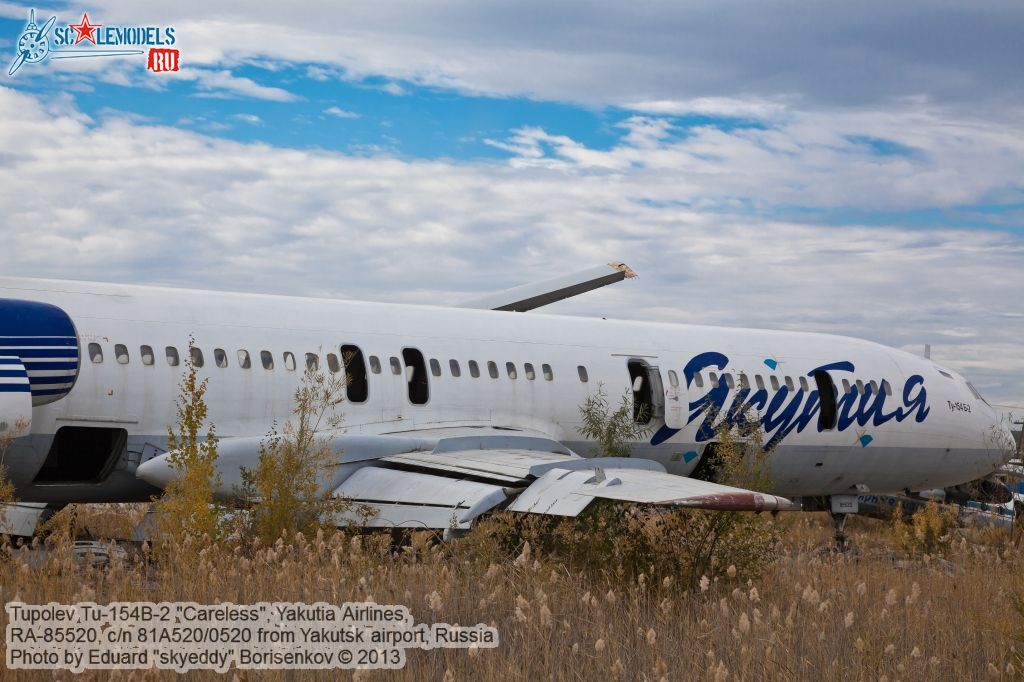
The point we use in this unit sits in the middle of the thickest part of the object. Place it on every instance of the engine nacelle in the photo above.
(43, 341)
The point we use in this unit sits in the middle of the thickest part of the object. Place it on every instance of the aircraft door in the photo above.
(675, 417)
(648, 394)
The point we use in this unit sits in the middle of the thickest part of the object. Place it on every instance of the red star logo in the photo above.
(85, 30)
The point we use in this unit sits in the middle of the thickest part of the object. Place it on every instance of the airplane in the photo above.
(452, 412)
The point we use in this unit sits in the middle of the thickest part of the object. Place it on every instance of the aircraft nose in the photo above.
(157, 471)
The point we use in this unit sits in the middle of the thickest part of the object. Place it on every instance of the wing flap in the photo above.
(509, 466)
(554, 493)
(659, 488)
(406, 499)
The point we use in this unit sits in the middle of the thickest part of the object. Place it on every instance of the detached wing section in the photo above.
(538, 294)
(447, 479)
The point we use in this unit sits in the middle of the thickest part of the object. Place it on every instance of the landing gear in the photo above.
(839, 526)
(841, 507)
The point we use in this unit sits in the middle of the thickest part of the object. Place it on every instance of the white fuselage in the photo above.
(910, 425)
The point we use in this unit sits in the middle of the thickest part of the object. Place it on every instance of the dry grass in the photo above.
(874, 614)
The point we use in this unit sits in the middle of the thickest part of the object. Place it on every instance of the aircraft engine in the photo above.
(15, 398)
(39, 359)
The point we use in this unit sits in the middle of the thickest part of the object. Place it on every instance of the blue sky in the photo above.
(756, 162)
(339, 115)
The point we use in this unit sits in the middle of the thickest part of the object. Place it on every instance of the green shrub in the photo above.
(625, 540)
(286, 492)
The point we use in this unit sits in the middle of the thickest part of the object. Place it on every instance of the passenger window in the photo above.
(804, 386)
(510, 368)
(171, 353)
(95, 353)
(416, 376)
(886, 387)
(530, 374)
(396, 365)
(332, 363)
(492, 369)
(827, 399)
(474, 369)
(582, 371)
(146, 353)
(712, 378)
(453, 366)
(846, 386)
(774, 381)
(435, 367)
(267, 358)
(357, 388)
(121, 354)
(220, 357)
(860, 387)
(744, 381)
(289, 361)
(312, 362)
(375, 364)
(698, 379)
(548, 374)
(673, 378)
(729, 381)
(244, 361)
(197, 356)
(874, 387)
(759, 382)
(789, 384)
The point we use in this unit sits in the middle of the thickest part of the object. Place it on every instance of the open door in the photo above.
(648, 394)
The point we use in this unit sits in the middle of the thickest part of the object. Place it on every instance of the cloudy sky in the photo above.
(854, 168)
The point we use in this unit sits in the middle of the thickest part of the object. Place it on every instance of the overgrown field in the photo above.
(885, 610)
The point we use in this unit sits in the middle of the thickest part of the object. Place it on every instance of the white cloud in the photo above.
(802, 160)
(128, 202)
(321, 74)
(130, 72)
(251, 119)
(9, 10)
(664, 55)
(711, 106)
(222, 83)
(395, 89)
(338, 112)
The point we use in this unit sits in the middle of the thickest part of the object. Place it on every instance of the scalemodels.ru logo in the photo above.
(86, 39)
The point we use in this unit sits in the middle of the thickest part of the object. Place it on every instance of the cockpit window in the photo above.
(975, 393)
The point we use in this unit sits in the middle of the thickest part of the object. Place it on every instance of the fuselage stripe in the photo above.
(63, 372)
(38, 341)
(69, 352)
(51, 380)
(60, 391)
(15, 388)
(49, 363)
